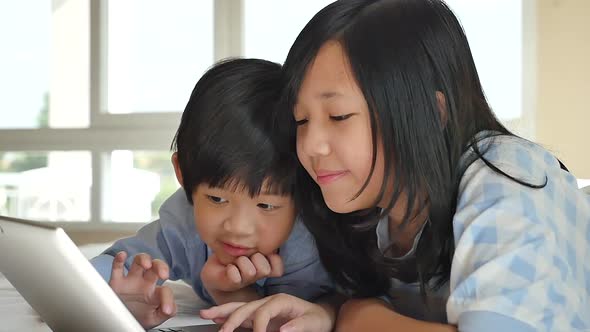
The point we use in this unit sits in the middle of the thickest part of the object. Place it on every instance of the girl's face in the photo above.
(334, 141)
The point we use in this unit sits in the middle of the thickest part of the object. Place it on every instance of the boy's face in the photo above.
(233, 224)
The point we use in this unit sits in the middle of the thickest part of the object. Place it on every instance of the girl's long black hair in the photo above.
(401, 53)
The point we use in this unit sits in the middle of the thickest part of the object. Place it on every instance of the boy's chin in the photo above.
(225, 259)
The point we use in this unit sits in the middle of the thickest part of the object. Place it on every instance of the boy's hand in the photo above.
(149, 303)
(244, 272)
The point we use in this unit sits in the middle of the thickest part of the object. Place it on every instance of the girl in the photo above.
(427, 211)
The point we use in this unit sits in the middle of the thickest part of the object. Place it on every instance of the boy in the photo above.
(232, 231)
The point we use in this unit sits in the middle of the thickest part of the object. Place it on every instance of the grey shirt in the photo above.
(405, 298)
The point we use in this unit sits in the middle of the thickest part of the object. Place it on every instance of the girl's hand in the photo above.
(280, 312)
(149, 303)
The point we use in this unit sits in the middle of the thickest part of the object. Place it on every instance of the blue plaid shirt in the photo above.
(174, 239)
(522, 255)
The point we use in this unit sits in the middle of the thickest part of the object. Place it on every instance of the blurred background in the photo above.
(91, 91)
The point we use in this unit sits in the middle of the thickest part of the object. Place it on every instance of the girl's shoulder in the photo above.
(515, 156)
(521, 178)
(520, 246)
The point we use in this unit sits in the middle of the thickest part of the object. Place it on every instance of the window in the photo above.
(139, 182)
(97, 87)
(46, 185)
(155, 53)
(24, 72)
(279, 21)
(497, 50)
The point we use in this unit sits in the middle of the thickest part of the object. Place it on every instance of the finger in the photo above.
(159, 270)
(150, 276)
(300, 324)
(261, 265)
(165, 299)
(233, 274)
(214, 268)
(219, 321)
(242, 314)
(247, 269)
(264, 314)
(141, 262)
(118, 269)
(278, 306)
(220, 311)
(277, 267)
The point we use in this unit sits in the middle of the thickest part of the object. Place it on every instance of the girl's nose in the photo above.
(314, 141)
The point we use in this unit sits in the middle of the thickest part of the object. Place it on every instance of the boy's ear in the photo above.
(441, 102)
(177, 168)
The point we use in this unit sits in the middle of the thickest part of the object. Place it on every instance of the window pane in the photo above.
(156, 52)
(140, 181)
(497, 50)
(52, 186)
(44, 64)
(24, 63)
(279, 21)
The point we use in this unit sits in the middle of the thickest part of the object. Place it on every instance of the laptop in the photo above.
(51, 274)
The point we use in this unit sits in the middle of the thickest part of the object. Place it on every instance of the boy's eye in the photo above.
(300, 122)
(341, 117)
(267, 207)
(216, 200)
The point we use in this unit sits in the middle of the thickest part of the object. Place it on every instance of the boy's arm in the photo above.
(305, 276)
(163, 239)
(150, 239)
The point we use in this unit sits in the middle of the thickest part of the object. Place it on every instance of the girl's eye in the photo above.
(341, 117)
(216, 200)
(267, 207)
(300, 122)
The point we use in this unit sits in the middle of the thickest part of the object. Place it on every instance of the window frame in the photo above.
(154, 131)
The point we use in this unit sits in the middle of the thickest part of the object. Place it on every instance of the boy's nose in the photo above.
(239, 224)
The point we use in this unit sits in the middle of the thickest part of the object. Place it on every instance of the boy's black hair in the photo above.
(228, 136)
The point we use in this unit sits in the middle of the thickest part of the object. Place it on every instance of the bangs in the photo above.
(254, 181)
(229, 135)
(246, 161)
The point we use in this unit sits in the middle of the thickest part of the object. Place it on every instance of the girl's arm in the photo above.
(375, 315)
(519, 256)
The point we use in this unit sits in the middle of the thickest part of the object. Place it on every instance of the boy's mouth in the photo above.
(235, 250)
